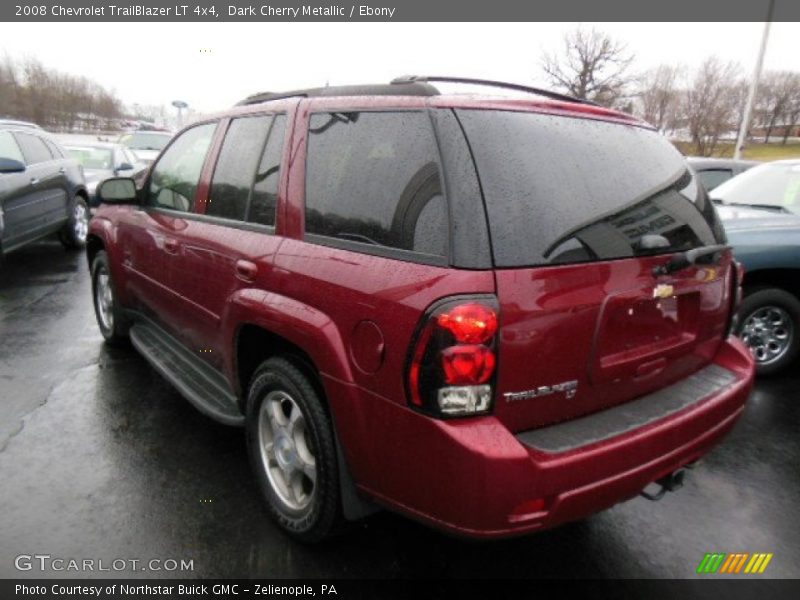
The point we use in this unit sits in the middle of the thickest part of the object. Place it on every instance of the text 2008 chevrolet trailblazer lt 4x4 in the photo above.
(490, 314)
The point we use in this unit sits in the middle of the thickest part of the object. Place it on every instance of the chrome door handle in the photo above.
(171, 246)
(34, 181)
(246, 270)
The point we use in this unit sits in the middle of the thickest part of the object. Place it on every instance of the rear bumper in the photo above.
(474, 478)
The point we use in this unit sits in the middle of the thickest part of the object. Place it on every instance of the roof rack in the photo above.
(408, 85)
(411, 88)
(409, 79)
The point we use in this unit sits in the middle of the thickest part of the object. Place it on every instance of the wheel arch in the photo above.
(254, 344)
(787, 279)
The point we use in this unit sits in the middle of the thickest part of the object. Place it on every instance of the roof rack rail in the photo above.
(407, 79)
(266, 96)
(411, 88)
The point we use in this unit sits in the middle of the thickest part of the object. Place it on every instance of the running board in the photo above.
(197, 381)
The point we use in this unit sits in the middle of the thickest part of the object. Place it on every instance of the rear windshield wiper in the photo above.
(686, 259)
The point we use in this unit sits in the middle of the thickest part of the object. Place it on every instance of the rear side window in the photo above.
(236, 167)
(265, 188)
(54, 150)
(372, 178)
(173, 183)
(9, 147)
(33, 148)
(565, 190)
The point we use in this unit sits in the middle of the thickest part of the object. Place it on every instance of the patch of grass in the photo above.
(755, 151)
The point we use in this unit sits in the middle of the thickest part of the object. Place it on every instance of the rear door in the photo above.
(580, 212)
(232, 243)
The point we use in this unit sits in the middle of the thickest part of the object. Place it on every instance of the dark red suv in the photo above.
(490, 314)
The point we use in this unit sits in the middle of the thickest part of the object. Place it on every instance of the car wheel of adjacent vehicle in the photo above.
(75, 231)
(769, 323)
(292, 450)
(110, 318)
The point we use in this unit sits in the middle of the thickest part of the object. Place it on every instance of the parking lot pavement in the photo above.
(101, 459)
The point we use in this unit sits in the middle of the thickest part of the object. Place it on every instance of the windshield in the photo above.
(92, 158)
(146, 141)
(772, 184)
(565, 190)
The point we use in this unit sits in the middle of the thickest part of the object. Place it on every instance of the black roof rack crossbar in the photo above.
(406, 79)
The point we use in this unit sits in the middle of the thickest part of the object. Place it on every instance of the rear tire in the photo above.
(74, 233)
(769, 323)
(109, 314)
(293, 452)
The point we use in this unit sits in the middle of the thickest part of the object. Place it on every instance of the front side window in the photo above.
(33, 148)
(236, 167)
(373, 178)
(174, 180)
(9, 148)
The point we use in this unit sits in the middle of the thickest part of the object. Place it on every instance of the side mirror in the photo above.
(9, 165)
(125, 167)
(117, 190)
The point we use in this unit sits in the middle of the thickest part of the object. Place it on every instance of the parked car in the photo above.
(713, 171)
(145, 144)
(492, 315)
(101, 160)
(761, 213)
(42, 190)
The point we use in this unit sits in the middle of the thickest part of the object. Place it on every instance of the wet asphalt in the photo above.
(101, 459)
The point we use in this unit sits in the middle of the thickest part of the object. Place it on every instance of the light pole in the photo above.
(751, 95)
(180, 105)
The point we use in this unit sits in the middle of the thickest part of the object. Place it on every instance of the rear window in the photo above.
(146, 141)
(772, 184)
(563, 190)
(713, 177)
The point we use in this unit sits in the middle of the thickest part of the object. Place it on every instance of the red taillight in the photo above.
(467, 365)
(471, 323)
(453, 362)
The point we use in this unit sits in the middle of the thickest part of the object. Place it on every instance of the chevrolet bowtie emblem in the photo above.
(663, 290)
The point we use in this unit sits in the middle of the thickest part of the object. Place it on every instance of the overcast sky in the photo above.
(157, 63)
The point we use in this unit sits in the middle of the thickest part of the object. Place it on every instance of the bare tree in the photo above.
(32, 92)
(776, 98)
(659, 95)
(711, 105)
(593, 66)
(792, 114)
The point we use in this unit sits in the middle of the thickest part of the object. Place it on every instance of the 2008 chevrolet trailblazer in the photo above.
(490, 314)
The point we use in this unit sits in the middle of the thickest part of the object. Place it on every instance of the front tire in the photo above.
(74, 234)
(769, 324)
(292, 450)
(110, 317)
